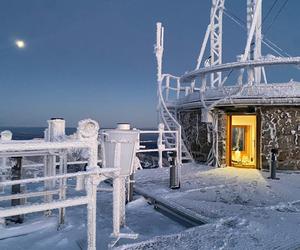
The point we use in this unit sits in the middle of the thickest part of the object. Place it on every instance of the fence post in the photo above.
(91, 187)
(88, 131)
(16, 189)
(5, 135)
(160, 145)
(54, 132)
(117, 184)
(178, 145)
(62, 186)
(193, 86)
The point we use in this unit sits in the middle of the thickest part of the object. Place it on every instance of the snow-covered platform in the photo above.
(41, 233)
(245, 209)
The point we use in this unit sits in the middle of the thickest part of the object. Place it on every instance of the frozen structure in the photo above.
(55, 191)
(234, 123)
(53, 184)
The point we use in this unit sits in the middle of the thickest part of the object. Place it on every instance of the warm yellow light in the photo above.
(20, 44)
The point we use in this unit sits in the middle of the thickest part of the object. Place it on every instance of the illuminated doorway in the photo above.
(241, 141)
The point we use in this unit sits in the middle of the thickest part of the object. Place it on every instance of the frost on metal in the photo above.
(272, 94)
(56, 144)
(208, 88)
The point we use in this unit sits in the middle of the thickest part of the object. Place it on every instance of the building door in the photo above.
(242, 141)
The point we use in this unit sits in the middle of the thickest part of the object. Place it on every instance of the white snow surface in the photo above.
(40, 232)
(245, 209)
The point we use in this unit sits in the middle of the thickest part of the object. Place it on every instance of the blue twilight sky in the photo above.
(95, 58)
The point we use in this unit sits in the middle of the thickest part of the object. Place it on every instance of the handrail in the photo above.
(164, 106)
(237, 65)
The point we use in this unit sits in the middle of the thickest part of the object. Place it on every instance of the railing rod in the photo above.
(155, 150)
(157, 132)
(57, 164)
(24, 146)
(13, 211)
(28, 195)
(39, 179)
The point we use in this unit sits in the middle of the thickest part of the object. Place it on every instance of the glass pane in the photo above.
(238, 138)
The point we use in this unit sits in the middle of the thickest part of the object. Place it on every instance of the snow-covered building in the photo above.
(236, 123)
(246, 127)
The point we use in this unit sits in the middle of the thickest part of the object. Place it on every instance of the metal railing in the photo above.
(91, 177)
(162, 145)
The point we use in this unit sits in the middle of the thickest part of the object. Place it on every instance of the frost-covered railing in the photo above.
(271, 94)
(162, 145)
(167, 116)
(265, 61)
(85, 180)
(174, 88)
(171, 88)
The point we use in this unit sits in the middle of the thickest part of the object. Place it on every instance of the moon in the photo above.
(20, 44)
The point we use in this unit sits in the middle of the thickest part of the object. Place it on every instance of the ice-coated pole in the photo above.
(88, 131)
(54, 132)
(160, 145)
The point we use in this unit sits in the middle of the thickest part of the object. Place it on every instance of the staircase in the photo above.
(168, 116)
(166, 110)
(170, 140)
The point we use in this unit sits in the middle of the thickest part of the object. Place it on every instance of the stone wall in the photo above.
(280, 128)
(194, 133)
(222, 134)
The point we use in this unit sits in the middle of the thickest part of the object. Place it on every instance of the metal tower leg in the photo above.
(216, 27)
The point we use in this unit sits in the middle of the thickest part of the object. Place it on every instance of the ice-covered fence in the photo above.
(162, 143)
(167, 141)
(86, 138)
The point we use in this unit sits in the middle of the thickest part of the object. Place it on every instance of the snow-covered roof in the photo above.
(256, 94)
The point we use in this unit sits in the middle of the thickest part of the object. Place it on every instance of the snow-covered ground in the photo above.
(245, 210)
(39, 232)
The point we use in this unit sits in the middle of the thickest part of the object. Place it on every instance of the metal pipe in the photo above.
(42, 207)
